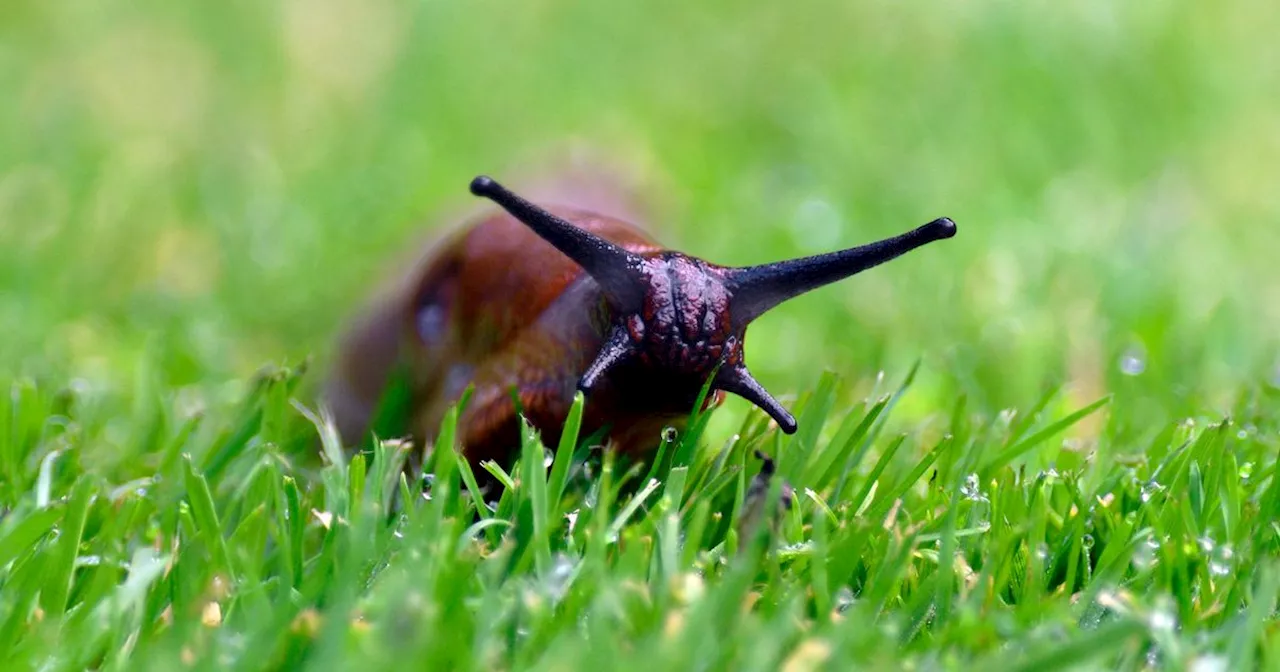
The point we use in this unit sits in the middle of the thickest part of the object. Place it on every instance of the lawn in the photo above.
(1048, 442)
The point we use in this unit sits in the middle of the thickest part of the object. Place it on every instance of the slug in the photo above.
(533, 302)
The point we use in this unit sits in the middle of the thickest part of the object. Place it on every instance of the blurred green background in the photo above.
(215, 186)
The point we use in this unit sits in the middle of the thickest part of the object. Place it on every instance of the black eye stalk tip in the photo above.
(940, 228)
(484, 185)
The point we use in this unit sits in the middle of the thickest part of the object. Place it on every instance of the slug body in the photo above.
(535, 302)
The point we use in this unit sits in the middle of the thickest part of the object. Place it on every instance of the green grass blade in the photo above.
(57, 578)
(23, 529)
(1007, 457)
(205, 515)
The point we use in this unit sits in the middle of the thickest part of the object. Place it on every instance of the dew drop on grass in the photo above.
(1133, 362)
(556, 582)
(844, 599)
(1246, 470)
(1096, 611)
(972, 489)
(1042, 552)
(1163, 617)
(1145, 555)
(670, 434)
(1210, 662)
(1150, 488)
(1143, 558)
(1087, 541)
(1206, 544)
(548, 458)
(1222, 560)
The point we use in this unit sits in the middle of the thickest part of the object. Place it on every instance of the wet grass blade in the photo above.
(205, 514)
(1012, 453)
(58, 573)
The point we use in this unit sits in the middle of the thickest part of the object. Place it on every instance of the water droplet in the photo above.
(1087, 541)
(1144, 555)
(1133, 362)
(1246, 470)
(670, 434)
(557, 580)
(548, 458)
(1153, 657)
(844, 599)
(971, 489)
(1042, 552)
(1222, 560)
(1150, 488)
(1206, 544)
(1210, 662)
(1162, 619)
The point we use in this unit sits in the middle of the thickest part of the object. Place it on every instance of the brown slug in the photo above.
(534, 302)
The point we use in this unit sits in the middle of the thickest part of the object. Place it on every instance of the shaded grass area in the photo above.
(216, 538)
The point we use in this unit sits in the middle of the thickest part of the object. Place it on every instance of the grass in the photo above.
(988, 544)
(1050, 441)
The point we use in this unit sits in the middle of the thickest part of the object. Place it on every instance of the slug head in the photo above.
(678, 318)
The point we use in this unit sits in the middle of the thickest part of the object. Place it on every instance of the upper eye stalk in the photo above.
(751, 291)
